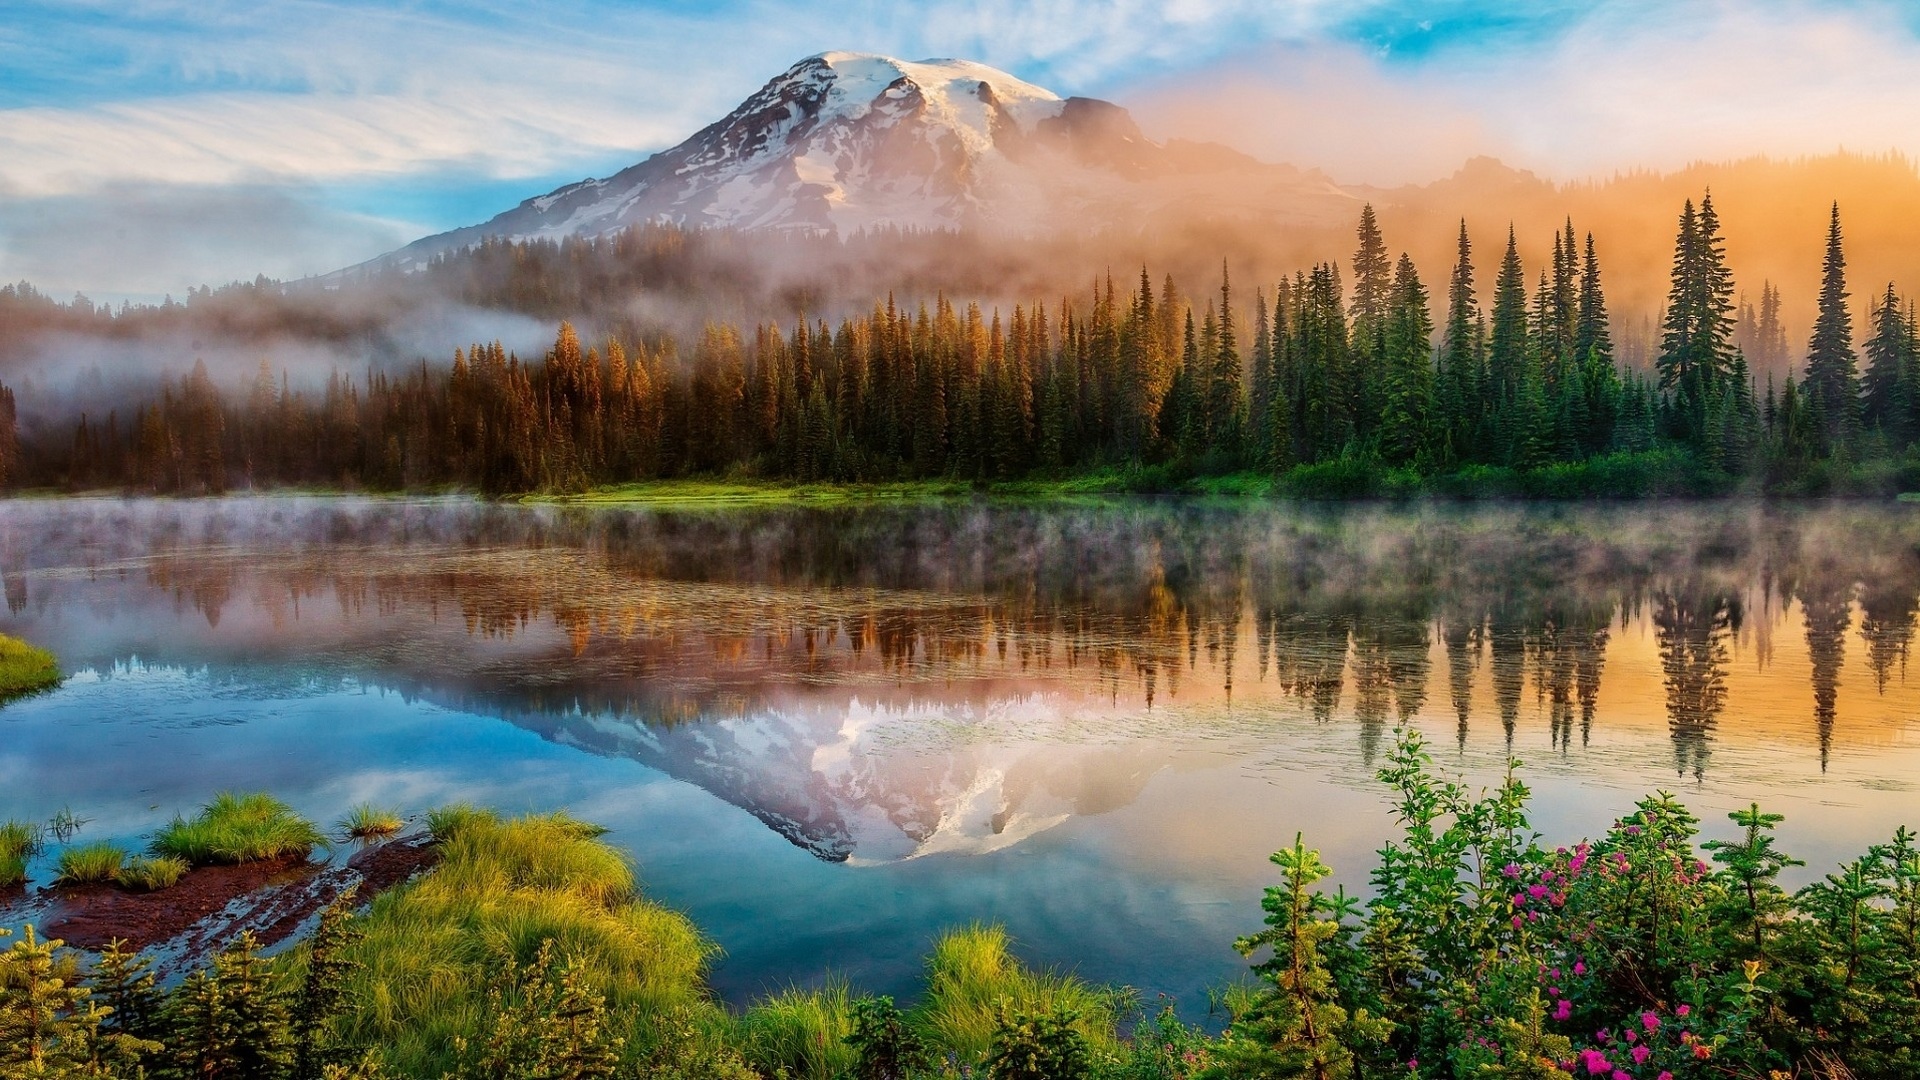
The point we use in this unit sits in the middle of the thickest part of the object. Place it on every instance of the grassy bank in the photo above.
(530, 953)
(25, 669)
(1662, 473)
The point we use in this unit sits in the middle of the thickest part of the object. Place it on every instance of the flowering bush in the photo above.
(1638, 956)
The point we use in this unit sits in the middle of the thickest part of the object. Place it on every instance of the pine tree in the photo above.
(1458, 392)
(1592, 333)
(233, 1022)
(1509, 353)
(323, 987)
(1295, 1028)
(1226, 406)
(1832, 385)
(1889, 403)
(1409, 368)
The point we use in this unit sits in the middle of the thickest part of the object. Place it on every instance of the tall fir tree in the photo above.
(1888, 386)
(1832, 387)
(1404, 425)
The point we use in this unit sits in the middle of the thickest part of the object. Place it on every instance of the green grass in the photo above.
(973, 975)
(90, 864)
(238, 829)
(369, 822)
(504, 887)
(446, 822)
(25, 669)
(150, 873)
(800, 1033)
(19, 841)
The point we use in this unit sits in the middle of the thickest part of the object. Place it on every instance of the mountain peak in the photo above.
(843, 141)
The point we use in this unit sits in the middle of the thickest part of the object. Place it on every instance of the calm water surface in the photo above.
(827, 734)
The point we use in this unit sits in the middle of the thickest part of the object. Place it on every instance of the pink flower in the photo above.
(1595, 1061)
(1664, 1075)
(1632, 1035)
(1516, 922)
(1537, 891)
(1651, 1022)
(1619, 1075)
(1641, 1054)
(1579, 967)
(1511, 870)
(1683, 1010)
(1564, 1011)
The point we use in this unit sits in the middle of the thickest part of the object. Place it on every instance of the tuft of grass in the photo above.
(446, 822)
(25, 669)
(369, 822)
(800, 1033)
(19, 841)
(508, 886)
(238, 829)
(972, 975)
(150, 873)
(90, 864)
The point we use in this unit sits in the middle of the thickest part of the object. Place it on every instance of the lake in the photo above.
(826, 734)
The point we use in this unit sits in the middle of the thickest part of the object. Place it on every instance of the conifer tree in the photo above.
(1226, 406)
(1409, 368)
(1888, 385)
(1832, 384)
(1509, 352)
(1459, 380)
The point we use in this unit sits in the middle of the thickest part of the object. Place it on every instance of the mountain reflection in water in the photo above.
(883, 683)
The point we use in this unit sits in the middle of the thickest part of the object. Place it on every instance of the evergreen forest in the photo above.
(1353, 380)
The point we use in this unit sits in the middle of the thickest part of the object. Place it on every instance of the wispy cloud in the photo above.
(1624, 86)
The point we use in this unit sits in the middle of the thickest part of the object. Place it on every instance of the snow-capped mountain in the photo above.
(844, 141)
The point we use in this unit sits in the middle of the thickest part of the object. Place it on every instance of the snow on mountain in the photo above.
(844, 141)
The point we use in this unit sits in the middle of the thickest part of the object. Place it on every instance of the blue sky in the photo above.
(148, 145)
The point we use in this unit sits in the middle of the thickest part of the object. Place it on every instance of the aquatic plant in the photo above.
(236, 828)
(369, 822)
(90, 864)
(25, 669)
(19, 841)
(150, 873)
(63, 825)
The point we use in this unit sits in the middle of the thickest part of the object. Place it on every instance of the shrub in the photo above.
(238, 829)
(150, 873)
(369, 822)
(90, 864)
(886, 1047)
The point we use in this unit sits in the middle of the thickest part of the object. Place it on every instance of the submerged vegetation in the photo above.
(528, 952)
(238, 829)
(25, 669)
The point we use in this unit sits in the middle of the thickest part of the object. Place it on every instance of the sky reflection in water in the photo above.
(828, 734)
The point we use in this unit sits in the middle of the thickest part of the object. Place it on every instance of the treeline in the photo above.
(1317, 370)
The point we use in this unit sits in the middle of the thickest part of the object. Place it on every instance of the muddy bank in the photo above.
(185, 925)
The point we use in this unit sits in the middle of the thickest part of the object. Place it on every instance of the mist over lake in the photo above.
(826, 734)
